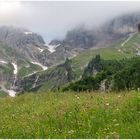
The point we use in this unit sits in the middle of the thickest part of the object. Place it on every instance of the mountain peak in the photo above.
(15, 36)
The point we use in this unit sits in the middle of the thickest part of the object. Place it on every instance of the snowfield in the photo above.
(52, 48)
(15, 68)
(41, 50)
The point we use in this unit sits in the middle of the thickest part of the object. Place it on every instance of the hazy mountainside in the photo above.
(20, 43)
(24, 54)
(123, 24)
(82, 38)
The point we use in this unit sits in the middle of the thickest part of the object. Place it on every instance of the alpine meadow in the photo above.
(69, 70)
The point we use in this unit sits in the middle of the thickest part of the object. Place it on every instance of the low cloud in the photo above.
(54, 19)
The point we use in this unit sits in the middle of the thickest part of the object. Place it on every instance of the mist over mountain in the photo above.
(69, 69)
(25, 54)
(53, 19)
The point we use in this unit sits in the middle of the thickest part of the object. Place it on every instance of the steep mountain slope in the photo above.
(19, 43)
(53, 77)
(24, 53)
(19, 55)
(82, 38)
(124, 48)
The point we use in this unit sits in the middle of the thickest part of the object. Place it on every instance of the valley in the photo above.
(125, 47)
(69, 70)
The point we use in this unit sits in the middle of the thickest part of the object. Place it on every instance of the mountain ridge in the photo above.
(29, 52)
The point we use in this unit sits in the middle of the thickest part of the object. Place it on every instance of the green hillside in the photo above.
(27, 68)
(115, 51)
(71, 115)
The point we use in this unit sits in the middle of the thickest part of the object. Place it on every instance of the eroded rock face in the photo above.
(52, 80)
(20, 43)
(19, 37)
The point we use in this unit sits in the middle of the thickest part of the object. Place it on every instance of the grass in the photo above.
(71, 115)
(109, 53)
(3, 94)
(24, 70)
(112, 52)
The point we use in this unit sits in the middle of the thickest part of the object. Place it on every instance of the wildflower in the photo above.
(107, 104)
(117, 124)
(105, 129)
(71, 131)
(107, 137)
(115, 135)
(119, 96)
(114, 120)
(33, 117)
(78, 97)
(13, 115)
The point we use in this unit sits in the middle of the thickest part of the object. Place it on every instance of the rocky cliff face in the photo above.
(19, 51)
(19, 37)
(81, 38)
(50, 80)
(124, 24)
(23, 43)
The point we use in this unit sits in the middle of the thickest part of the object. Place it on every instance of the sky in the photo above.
(52, 19)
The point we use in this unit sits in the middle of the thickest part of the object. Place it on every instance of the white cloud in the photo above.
(53, 19)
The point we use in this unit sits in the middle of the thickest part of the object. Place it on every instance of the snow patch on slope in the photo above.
(4, 62)
(52, 48)
(28, 33)
(119, 50)
(43, 67)
(41, 50)
(30, 74)
(138, 53)
(15, 68)
(11, 93)
(34, 85)
(129, 37)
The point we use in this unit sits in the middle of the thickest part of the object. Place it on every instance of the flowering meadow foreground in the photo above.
(71, 115)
